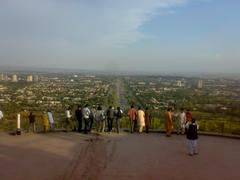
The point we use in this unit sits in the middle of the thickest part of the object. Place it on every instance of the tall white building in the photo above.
(200, 84)
(29, 78)
(14, 78)
(1, 77)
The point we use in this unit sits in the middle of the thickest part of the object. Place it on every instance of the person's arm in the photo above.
(187, 125)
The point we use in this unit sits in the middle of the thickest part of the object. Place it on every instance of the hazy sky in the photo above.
(139, 35)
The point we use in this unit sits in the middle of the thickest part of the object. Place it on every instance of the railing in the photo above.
(210, 125)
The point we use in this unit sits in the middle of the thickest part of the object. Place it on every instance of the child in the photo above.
(192, 136)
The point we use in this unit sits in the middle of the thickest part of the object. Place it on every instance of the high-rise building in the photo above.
(14, 78)
(35, 78)
(200, 84)
(1, 77)
(29, 78)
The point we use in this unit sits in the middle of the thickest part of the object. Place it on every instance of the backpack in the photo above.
(119, 113)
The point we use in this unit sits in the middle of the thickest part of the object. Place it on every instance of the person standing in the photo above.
(148, 119)
(100, 119)
(69, 122)
(86, 113)
(92, 117)
(168, 122)
(31, 118)
(45, 122)
(78, 115)
(51, 120)
(132, 114)
(181, 121)
(110, 118)
(189, 115)
(141, 119)
(192, 136)
(118, 115)
(1, 115)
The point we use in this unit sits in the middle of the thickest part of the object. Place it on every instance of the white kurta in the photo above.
(141, 118)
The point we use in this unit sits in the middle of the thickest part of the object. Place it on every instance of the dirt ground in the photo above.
(67, 156)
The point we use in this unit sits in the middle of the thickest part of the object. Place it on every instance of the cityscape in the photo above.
(119, 90)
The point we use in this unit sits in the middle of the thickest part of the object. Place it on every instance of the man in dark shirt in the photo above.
(192, 136)
(78, 115)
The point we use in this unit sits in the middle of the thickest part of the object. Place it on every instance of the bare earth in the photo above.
(66, 156)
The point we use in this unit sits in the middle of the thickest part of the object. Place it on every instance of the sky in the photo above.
(122, 35)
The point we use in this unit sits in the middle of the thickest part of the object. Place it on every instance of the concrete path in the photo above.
(66, 156)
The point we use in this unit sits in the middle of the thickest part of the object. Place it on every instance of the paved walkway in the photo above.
(67, 156)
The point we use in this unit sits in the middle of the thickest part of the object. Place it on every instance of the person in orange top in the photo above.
(168, 122)
(132, 114)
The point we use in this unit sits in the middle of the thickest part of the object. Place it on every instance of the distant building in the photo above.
(35, 78)
(179, 83)
(200, 84)
(1, 77)
(14, 78)
(29, 78)
(4, 77)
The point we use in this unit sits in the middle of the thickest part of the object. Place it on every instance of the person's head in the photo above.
(182, 109)
(110, 107)
(118, 108)
(139, 108)
(99, 108)
(188, 110)
(193, 120)
(132, 106)
(86, 105)
(169, 109)
(79, 107)
(146, 108)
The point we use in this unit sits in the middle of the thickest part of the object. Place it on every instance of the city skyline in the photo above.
(174, 36)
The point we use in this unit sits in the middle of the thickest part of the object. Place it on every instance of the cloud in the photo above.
(83, 22)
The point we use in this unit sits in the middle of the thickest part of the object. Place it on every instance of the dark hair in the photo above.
(146, 108)
(169, 109)
(132, 106)
(99, 108)
(193, 120)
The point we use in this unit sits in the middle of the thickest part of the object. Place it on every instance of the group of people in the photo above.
(48, 121)
(139, 118)
(186, 124)
(93, 116)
